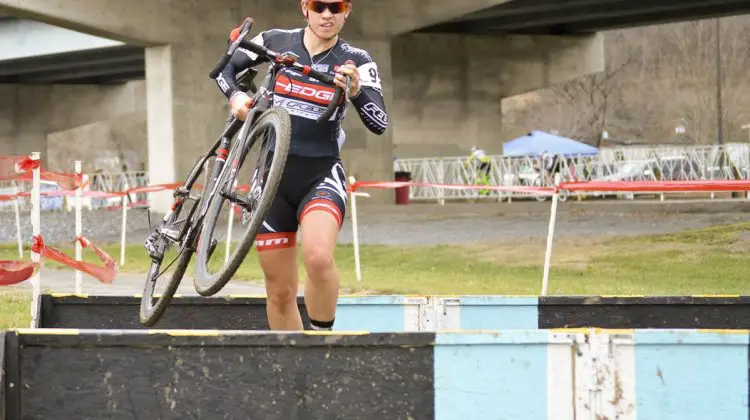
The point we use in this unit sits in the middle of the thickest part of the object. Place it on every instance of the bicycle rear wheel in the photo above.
(271, 135)
(174, 241)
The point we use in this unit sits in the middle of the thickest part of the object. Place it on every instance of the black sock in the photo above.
(321, 325)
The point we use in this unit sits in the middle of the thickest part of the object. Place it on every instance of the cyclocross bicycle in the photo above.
(192, 222)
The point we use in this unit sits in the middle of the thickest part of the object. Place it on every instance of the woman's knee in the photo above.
(280, 272)
(317, 260)
(281, 295)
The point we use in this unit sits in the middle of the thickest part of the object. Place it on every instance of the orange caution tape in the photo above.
(14, 272)
(658, 186)
(635, 186)
(105, 274)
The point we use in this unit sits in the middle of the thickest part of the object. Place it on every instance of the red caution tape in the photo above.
(13, 166)
(14, 272)
(27, 164)
(38, 246)
(19, 168)
(66, 181)
(104, 274)
(658, 186)
(66, 193)
(153, 188)
(636, 186)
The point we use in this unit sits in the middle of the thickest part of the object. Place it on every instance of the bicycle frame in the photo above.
(233, 128)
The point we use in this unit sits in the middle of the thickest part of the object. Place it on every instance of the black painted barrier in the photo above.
(249, 313)
(514, 374)
(188, 312)
(133, 374)
(673, 312)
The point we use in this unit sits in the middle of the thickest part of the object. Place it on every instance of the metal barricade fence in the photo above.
(642, 163)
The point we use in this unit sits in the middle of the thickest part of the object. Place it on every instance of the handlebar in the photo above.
(236, 43)
(242, 41)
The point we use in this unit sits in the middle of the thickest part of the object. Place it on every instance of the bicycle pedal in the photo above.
(234, 198)
(246, 217)
(152, 249)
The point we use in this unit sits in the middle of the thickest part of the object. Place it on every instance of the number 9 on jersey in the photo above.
(368, 75)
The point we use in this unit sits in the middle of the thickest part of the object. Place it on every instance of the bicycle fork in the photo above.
(254, 190)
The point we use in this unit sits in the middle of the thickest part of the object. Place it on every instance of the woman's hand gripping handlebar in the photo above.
(243, 41)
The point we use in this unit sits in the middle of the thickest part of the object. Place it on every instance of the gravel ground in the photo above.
(433, 224)
(510, 228)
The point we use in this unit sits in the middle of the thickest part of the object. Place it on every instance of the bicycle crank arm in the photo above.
(233, 198)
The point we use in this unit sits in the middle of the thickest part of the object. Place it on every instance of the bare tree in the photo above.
(657, 78)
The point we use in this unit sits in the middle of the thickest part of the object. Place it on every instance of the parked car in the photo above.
(673, 168)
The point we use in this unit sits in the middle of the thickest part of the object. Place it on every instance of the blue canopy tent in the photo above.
(538, 142)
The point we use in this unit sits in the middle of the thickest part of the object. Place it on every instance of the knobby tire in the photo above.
(207, 284)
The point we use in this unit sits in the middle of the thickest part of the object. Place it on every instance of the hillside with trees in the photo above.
(660, 86)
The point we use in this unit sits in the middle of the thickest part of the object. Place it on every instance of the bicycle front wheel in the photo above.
(244, 193)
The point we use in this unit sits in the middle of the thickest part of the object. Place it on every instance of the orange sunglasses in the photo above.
(321, 6)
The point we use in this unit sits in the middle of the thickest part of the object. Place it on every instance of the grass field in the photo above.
(14, 309)
(704, 261)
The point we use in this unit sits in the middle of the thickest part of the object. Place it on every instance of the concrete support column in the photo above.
(186, 111)
(161, 124)
(447, 96)
(449, 88)
(368, 156)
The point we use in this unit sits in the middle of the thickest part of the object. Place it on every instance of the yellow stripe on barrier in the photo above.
(716, 296)
(628, 331)
(336, 333)
(495, 333)
(64, 295)
(621, 296)
(48, 331)
(721, 331)
(188, 333)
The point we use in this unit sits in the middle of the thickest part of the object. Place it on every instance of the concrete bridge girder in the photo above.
(443, 92)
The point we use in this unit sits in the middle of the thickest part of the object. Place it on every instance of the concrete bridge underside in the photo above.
(445, 66)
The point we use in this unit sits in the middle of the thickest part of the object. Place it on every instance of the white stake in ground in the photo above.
(36, 218)
(79, 229)
(550, 237)
(123, 235)
(18, 222)
(355, 229)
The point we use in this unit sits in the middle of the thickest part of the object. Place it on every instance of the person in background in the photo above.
(481, 163)
(547, 162)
